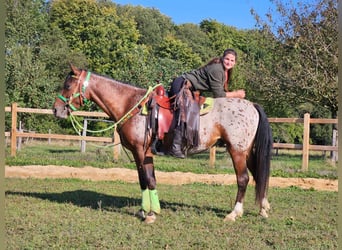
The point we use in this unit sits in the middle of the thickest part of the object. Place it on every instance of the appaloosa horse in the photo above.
(240, 124)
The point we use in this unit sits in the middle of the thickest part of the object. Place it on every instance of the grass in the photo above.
(285, 164)
(75, 214)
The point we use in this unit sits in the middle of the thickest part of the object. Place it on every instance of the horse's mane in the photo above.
(120, 82)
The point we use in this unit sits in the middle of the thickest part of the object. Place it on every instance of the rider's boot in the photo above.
(176, 148)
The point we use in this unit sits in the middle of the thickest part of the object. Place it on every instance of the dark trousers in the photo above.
(176, 86)
(176, 147)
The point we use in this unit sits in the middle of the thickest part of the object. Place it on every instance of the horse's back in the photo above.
(233, 120)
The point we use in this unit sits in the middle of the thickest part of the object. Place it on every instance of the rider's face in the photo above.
(229, 61)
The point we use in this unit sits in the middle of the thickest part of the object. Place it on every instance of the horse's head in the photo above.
(71, 97)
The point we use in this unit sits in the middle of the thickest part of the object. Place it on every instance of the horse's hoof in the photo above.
(229, 217)
(141, 214)
(150, 218)
(233, 215)
(263, 213)
(265, 204)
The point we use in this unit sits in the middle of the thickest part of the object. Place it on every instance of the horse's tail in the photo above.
(262, 152)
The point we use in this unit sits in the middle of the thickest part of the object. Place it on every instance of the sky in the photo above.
(234, 13)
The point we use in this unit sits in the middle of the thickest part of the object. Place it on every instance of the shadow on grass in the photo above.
(66, 150)
(95, 200)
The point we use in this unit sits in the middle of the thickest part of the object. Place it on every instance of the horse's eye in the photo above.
(67, 86)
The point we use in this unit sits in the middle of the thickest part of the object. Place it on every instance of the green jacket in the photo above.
(208, 78)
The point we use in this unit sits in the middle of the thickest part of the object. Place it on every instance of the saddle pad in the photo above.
(207, 105)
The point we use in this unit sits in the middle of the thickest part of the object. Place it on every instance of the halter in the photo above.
(80, 94)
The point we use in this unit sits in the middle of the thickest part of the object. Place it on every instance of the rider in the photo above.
(213, 77)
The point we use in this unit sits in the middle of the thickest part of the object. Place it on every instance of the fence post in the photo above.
(116, 148)
(334, 155)
(20, 139)
(84, 133)
(212, 157)
(14, 129)
(306, 142)
(49, 140)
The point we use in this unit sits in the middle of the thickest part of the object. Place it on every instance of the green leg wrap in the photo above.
(155, 205)
(145, 202)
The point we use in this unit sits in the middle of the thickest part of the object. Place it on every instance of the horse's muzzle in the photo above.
(61, 112)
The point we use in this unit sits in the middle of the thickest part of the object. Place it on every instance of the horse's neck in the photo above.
(113, 97)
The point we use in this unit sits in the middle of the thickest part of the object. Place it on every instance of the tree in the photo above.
(196, 39)
(305, 50)
(177, 50)
(95, 29)
(152, 25)
(25, 26)
(34, 52)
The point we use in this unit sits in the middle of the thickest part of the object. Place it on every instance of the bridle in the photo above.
(82, 86)
(80, 93)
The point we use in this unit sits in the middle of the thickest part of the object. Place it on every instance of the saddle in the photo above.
(165, 112)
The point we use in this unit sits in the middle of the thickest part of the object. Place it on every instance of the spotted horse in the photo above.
(240, 124)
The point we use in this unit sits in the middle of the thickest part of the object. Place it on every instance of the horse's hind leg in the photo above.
(240, 167)
(263, 203)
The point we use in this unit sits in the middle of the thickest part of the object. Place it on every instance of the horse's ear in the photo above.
(74, 69)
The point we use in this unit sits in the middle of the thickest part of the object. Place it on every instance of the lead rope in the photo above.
(121, 120)
(78, 127)
(78, 130)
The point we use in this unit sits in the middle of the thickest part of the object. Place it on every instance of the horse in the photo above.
(241, 125)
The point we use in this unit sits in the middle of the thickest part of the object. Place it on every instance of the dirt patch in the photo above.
(172, 178)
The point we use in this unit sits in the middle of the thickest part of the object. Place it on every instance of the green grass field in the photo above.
(74, 214)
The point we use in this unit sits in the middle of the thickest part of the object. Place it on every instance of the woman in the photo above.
(213, 77)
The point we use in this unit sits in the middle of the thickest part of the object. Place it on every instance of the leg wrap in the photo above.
(145, 202)
(155, 205)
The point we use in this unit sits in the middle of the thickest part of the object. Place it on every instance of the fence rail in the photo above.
(305, 147)
(15, 133)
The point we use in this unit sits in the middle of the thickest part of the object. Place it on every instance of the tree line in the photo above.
(288, 64)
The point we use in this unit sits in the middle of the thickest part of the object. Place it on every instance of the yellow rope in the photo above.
(122, 119)
(149, 90)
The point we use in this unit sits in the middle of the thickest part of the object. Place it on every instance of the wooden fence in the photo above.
(16, 133)
(305, 147)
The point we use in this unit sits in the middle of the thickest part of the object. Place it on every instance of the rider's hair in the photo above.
(220, 60)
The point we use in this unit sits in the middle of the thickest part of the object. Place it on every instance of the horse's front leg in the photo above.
(150, 205)
(239, 162)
